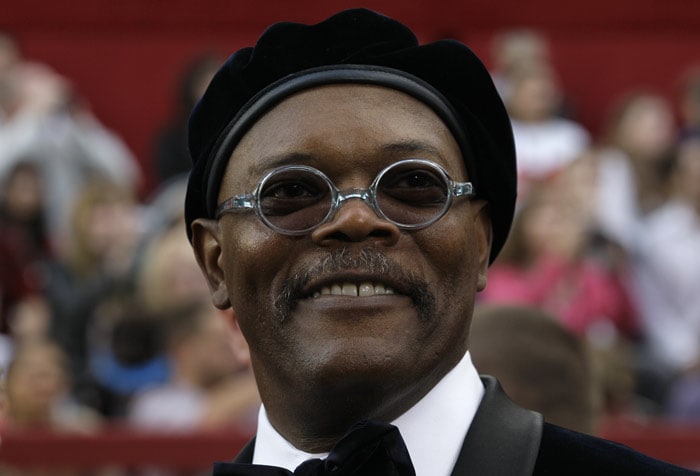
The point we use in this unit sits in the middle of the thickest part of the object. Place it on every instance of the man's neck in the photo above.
(434, 428)
(316, 422)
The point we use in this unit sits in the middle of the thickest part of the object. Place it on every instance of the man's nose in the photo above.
(355, 220)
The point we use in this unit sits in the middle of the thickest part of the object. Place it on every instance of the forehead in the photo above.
(341, 127)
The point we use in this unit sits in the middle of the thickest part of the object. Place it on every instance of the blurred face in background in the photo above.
(22, 194)
(169, 273)
(107, 224)
(534, 94)
(645, 128)
(212, 348)
(515, 47)
(36, 379)
(553, 223)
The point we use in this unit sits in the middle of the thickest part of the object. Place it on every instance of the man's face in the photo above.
(387, 348)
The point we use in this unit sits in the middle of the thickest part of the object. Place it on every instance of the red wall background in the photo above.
(125, 56)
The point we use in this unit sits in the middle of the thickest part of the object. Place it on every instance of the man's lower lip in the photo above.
(353, 308)
(349, 303)
(334, 300)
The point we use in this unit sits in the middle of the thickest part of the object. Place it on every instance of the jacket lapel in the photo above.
(246, 454)
(503, 437)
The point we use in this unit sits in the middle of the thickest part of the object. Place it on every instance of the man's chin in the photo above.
(361, 368)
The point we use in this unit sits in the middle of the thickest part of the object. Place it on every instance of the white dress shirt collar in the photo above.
(433, 429)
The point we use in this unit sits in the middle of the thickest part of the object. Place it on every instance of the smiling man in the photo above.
(349, 190)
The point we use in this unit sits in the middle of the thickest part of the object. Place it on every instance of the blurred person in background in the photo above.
(23, 240)
(634, 165)
(128, 332)
(125, 352)
(24, 248)
(552, 260)
(170, 157)
(37, 398)
(43, 116)
(167, 274)
(556, 260)
(107, 225)
(541, 365)
(38, 391)
(633, 184)
(667, 277)
(126, 346)
(510, 49)
(22, 210)
(211, 384)
(545, 142)
(29, 320)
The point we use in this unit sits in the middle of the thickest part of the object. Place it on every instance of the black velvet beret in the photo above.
(355, 46)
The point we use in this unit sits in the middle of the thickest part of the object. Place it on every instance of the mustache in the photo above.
(370, 260)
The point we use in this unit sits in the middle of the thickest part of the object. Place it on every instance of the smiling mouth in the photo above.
(364, 289)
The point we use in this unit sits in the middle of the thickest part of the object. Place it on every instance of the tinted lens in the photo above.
(295, 199)
(412, 193)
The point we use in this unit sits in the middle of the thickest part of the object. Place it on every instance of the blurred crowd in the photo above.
(606, 236)
(105, 317)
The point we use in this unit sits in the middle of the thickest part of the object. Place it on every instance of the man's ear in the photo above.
(206, 242)
(484, 238)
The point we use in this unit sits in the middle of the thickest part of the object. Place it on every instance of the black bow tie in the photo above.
(368, 449)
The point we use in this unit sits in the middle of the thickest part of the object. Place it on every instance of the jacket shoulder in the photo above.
(564, 451)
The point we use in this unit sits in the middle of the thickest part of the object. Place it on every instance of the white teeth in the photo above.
(349, 289)
(364, 289)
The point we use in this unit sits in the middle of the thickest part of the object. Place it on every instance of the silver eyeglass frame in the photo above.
(367, 195)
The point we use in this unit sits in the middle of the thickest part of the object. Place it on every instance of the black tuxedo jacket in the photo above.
(506, 440)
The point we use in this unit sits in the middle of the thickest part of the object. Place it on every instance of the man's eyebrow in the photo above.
(271, 162)
(293, 158)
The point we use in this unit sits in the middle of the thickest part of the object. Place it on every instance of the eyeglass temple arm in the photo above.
(235, 203)
(463, 188)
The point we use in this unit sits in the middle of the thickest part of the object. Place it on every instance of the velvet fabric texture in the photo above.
(358, 37)
(563, 451)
